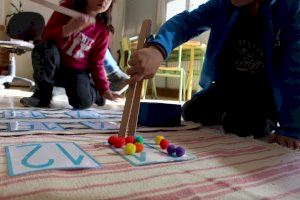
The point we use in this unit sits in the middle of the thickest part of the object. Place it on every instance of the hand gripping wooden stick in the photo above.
(133, 95)
(63, 10)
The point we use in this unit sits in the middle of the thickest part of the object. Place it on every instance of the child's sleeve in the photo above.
(96, 62)
(288, 92)
(53, 29)
(186, 25)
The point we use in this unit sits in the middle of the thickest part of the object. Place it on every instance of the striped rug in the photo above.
(227, 167)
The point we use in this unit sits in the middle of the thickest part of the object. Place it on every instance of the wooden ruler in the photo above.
(133, 95)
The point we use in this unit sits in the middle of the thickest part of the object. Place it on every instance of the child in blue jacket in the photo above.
(251, 72)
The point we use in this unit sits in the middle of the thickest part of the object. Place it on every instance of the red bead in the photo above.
(119, 142)
(164, 143)
(129, 139)
(112, 139)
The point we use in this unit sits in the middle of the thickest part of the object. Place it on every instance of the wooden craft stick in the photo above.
(133, 95)
(63, 10)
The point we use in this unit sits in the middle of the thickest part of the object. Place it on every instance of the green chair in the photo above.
(125, 53)
(175, 71)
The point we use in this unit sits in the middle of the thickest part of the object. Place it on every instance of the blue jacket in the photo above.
(281, 48)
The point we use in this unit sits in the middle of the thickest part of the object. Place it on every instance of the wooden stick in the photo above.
(133, 95)
(63, 10)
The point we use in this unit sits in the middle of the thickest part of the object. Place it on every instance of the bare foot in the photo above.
(285, 141)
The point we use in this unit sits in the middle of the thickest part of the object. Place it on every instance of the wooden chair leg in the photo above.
(153, 88)
(144, 89)
(184, 86)
(180, 86)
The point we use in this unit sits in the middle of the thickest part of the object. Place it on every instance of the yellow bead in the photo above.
(130, 149)
(158, 139)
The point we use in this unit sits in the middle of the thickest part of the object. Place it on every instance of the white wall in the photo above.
(136, 12)
(4, 9)
(118, 17)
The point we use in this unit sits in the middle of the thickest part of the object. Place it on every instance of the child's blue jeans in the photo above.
(48, 72)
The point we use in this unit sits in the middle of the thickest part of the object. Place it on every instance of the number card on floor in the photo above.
(26, 158)
(151, 154)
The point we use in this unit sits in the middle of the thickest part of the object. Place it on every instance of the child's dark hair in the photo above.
(105, 18)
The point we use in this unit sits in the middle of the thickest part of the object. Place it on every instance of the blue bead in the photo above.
(171, 149)
(180, 151)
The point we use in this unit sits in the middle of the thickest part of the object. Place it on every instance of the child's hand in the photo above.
(76, 25)
(111, 95)
(144, 64)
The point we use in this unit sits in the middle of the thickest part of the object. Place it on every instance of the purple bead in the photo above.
(180, 151)
(171, 149)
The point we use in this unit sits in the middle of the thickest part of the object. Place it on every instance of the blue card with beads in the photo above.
(152, 154)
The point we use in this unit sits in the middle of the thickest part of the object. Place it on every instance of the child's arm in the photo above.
(187, 25)
(61, 26)
(53, 29)
(174, 32)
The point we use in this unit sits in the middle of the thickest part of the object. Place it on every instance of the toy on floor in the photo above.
(129, 139)
(164, 144)
(130, 149)
(139, 139)
(139, 147)
(158, 139)
(149, 153)
(135, 144)
(132, 144)
(117, 142)
(171, 149)
(180, 151)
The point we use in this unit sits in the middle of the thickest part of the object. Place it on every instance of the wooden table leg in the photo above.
(190, 74)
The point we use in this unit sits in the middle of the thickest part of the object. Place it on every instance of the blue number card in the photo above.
(152, 154)
(26, 158)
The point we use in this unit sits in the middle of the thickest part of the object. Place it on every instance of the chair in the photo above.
(175, 71)
(193, 52)
(125, 53)
(23, 27)
(164, 71)
(15, 47)
(126, 48)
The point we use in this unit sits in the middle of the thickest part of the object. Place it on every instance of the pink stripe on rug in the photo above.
(226, 187)
(265, 172)
(234, 189)
(284, 195)
(120, 182)
(182, 193)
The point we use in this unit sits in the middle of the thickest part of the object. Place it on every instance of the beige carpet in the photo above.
(227, 167)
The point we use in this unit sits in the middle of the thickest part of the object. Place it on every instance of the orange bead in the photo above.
(139, 147)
